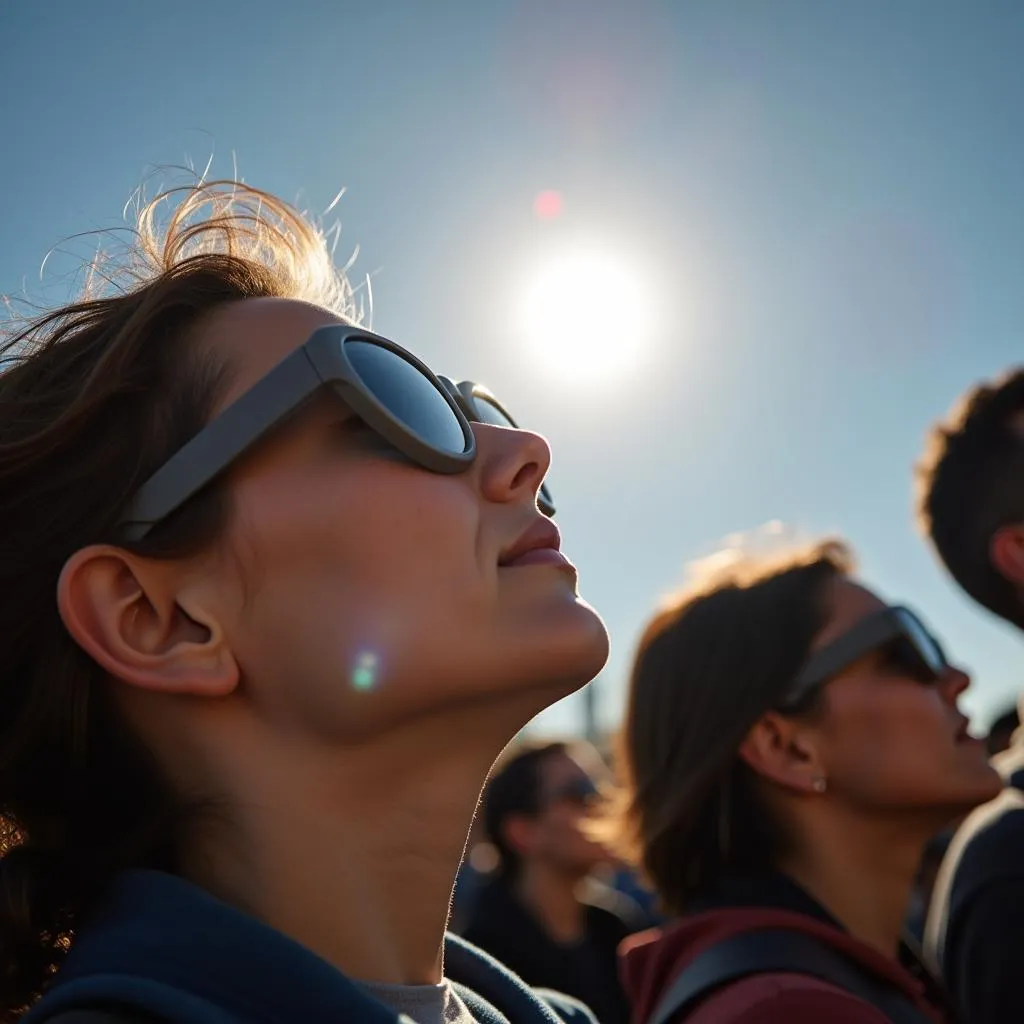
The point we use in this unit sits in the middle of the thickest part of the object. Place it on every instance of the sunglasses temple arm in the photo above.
(222, 441)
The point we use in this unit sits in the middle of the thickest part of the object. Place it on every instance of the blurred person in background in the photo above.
(970, 504)
(792, 742)
(259, 568)
(544, 915)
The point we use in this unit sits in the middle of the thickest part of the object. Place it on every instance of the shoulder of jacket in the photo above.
(781, 999)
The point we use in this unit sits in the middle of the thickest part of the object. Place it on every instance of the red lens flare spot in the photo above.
(548, 204)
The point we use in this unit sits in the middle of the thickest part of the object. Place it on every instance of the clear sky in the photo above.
(822, 201)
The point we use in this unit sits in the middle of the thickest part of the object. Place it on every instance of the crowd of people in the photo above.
(277, 597)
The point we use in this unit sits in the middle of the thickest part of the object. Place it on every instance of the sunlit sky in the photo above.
(819, 207)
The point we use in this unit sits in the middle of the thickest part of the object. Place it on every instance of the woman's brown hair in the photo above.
(710, 663)
(94, 396)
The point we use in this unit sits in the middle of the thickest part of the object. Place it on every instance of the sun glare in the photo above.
(586, 314)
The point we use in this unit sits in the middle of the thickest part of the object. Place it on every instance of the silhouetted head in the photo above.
(970, 494)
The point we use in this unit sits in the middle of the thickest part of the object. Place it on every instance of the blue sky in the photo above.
(823, 199)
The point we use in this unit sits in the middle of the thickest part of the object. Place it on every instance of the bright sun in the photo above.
(586, 314)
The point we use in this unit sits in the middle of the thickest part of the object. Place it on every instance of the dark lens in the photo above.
(407, 394)
(586, 791)
(902, 657)
(928, 649)
(488, 412)
(579, 791)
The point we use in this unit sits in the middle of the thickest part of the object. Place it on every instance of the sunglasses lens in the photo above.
(488, 411)
(903, 658)
(580, 792)
(926, 648)
(585, 791)
(408, 395)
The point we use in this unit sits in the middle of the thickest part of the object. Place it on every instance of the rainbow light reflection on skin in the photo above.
(364, 675)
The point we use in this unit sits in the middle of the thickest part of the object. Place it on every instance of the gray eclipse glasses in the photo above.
(908, 646)
(427, 418)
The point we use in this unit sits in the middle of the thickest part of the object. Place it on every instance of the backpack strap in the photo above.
(125, 1016)
(772, 951)
(107, 1016)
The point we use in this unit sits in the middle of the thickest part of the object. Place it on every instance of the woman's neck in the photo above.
(863, 877)
(354, 855)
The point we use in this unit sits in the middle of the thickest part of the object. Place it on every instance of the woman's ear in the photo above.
(783, 750)
(141, 622)
(1006, 552)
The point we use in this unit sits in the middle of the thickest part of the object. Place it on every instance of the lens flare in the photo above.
(548, 204)
(364, 675)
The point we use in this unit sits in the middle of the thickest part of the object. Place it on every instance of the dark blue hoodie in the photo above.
(164, 946)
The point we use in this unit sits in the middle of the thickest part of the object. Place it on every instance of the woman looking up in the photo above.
(792, 743)
(273, 601)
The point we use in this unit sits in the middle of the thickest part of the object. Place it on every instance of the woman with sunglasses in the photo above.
(274, 599)
(791, 745)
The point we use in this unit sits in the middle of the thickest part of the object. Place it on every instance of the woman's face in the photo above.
(357, 590)
(889, 741)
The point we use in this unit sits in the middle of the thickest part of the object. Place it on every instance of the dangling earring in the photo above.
(819, 784)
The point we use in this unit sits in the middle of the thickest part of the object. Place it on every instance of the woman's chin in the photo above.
(990, 787)
(575, 649)
(527, 664)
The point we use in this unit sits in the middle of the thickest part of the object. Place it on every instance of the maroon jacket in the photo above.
(650, 962)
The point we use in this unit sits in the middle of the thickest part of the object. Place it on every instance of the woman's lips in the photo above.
(539, 556)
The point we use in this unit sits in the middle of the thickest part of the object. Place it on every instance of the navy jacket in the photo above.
(166, 947)
(975, 923)
(587, 970)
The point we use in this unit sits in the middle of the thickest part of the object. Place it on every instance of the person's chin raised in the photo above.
(574, 645)
(543, 640)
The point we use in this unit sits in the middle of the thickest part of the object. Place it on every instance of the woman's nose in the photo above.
(954, 681)
(512, 463)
